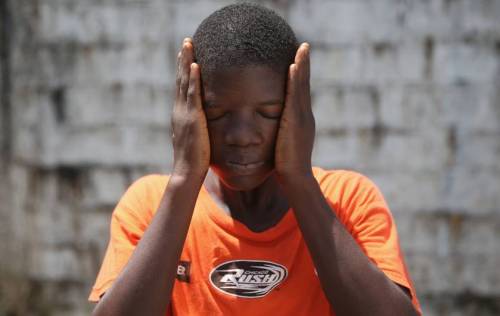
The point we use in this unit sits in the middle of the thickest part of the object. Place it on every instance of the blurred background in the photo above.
(406, 92)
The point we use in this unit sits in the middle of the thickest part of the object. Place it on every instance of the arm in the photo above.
(351, 282)
(145, 284)
(147, 280)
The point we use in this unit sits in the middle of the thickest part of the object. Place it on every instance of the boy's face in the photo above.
(243, 108)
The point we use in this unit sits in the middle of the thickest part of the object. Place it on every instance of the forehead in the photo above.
(257, 83)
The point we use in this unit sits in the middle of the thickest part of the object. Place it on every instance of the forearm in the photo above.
(145, 285)
(351, 282)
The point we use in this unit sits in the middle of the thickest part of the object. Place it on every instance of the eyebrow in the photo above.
(270, 102)
(208, 104)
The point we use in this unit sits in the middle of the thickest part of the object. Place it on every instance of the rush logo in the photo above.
(247, 278)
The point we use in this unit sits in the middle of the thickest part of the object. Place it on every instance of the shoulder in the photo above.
(351, 194)
(142, 197)
(343, 182)
(147, 187)
(150, 181)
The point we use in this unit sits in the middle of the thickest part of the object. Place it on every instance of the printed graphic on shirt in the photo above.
(183, 271)
(247, 278)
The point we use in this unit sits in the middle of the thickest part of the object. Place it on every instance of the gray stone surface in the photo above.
(406, 92)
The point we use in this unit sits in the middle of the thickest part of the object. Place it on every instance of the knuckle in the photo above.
(192, 86)
(184, 88)
(191, 92)
(190, 121)
(184, 82)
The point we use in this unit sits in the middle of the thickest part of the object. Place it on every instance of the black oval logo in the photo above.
(247, 278)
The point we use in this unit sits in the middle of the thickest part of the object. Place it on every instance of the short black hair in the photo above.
(244, 34)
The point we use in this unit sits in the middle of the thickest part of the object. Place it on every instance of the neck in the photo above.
(259, 209)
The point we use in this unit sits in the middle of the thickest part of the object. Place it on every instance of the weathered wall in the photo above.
(407, 92)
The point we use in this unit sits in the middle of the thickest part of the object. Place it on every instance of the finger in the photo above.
(299, 53)
(302, 60)
(186, 60)
(306, 62)
(178, 74)
(194, 90)
(291, 88)
(179, 55)
(303, 78)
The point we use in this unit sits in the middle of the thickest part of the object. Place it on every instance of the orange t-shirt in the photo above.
(226, 269)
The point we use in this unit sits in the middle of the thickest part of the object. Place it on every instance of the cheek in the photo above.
(217, 132)
(271, 131)
(216, 138)
(268, 128)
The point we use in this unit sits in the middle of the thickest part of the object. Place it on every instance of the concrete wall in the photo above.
(407, 92)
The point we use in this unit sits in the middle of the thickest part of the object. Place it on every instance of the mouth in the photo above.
(244, 167)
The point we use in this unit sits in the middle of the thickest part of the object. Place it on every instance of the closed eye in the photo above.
(271, 111)
(215, 114)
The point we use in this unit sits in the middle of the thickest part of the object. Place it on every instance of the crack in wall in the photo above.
(5, 84)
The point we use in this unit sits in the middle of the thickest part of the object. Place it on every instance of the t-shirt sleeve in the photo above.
(129, 221)
(364, 212)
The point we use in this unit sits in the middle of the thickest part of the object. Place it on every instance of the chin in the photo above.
(243, 182)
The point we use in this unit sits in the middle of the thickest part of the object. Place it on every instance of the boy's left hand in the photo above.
(295, 138)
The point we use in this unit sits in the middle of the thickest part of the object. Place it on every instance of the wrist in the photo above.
(296, 176)
(185, 176)
(296, 181)
(301, 190)
(184, 171)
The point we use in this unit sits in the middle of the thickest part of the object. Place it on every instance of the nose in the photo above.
(243, 132)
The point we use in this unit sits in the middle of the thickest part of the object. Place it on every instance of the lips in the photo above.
(245, 167)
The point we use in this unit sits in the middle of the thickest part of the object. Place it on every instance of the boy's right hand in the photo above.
(189, 125)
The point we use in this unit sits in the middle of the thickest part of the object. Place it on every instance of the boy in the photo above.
(245, 225)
